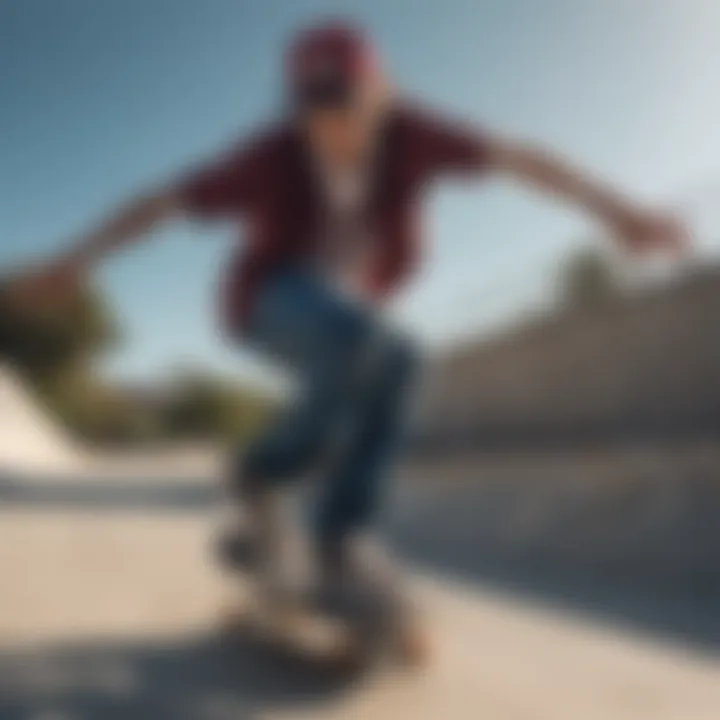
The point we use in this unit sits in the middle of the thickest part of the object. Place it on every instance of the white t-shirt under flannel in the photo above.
(346, 241)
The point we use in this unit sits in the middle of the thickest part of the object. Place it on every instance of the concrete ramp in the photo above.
(30, 439)
(115, 615)
(110, 606)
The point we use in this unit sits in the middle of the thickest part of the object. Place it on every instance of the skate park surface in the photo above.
(110, 605)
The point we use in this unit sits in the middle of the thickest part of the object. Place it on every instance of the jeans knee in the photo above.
(350, 333)
(284, 455)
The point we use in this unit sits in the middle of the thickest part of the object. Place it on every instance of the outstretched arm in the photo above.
(634, 226)
(219, 189)
(444, 147)
(131, 223)
(63, 273)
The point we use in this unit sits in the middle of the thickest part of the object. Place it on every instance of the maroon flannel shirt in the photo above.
(268, 183)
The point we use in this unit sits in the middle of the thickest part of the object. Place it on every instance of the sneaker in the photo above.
(238, 551)
(251, 533)
(360, 572)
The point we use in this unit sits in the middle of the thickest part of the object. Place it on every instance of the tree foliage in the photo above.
(201, 405)
(51, 343)
(588, 280)
(57, 348)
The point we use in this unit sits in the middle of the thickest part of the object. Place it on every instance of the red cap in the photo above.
(327, 63)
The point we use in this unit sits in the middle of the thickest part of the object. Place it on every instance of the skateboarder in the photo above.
(329, 196)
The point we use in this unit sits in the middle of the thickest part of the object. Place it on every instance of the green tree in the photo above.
(201, 405)
(55, 348)
(588, 280)
(51, 343)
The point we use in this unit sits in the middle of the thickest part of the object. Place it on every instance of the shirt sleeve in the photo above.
(446, 147)
(226, 186)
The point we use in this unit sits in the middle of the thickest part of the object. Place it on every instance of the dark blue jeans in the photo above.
(353, 375)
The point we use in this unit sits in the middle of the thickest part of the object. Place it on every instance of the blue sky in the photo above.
(101, 99)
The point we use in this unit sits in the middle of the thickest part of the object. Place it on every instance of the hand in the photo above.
(645, 232)
(54, 284)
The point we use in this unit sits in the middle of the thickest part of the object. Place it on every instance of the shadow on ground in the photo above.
(201, 677)
(451, 532)
(446, 533)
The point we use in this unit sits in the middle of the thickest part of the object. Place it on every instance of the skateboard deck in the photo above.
(287, 611)
(295, 629)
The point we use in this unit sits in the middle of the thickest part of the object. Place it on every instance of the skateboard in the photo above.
(287, 612)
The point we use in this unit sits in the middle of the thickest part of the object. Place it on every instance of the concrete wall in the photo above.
(647, 364)
(646, 515)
